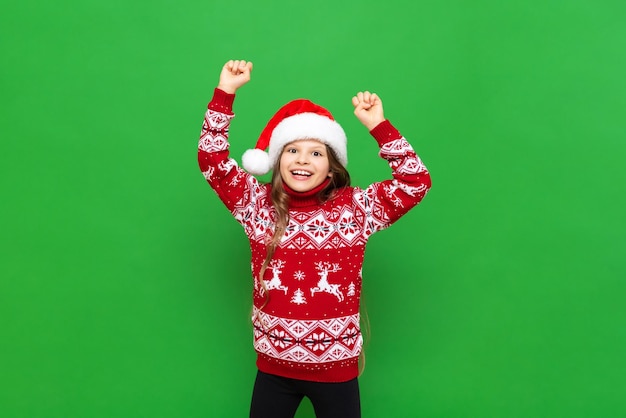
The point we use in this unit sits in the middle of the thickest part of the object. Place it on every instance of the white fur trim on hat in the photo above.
(308, 126)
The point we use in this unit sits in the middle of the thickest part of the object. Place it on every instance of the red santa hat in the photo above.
(298, 119)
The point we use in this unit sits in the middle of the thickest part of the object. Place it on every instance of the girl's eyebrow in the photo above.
(320, 147)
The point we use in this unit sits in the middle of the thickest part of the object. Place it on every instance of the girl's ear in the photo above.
(330, 173)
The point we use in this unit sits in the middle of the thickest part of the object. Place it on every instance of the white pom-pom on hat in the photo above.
(256, 161)
(298, 119)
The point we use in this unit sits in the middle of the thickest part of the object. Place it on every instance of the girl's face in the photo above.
(304, 164)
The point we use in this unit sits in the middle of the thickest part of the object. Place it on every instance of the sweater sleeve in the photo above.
(386, 201)
(237, 189)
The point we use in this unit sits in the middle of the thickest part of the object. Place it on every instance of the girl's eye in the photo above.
(317, 153)
(291, 150)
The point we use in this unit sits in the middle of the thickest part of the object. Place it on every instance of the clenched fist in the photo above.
(368, 108)
(235, 74)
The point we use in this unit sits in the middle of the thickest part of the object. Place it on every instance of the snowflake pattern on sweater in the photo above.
(309, 328)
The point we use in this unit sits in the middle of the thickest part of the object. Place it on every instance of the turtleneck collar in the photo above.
(303, 199)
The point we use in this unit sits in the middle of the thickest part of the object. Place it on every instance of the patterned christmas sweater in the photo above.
(308, 326)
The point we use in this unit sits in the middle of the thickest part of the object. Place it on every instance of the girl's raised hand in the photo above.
(368, 108)
(235, 74)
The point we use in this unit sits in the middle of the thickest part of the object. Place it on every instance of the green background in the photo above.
(125, 288)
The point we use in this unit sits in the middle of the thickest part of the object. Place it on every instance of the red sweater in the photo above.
(309, 327)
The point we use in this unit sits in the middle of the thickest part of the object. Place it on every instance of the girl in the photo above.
(307, 231)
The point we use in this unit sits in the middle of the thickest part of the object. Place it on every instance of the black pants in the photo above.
(279, 397)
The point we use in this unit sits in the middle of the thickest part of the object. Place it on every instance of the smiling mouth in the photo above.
(301, 173)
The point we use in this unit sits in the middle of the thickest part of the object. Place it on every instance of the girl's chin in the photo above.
(301, 186)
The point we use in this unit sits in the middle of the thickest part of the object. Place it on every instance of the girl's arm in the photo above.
(388, 200)
(236, 188)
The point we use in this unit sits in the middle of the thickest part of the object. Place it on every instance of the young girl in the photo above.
(307, 231)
